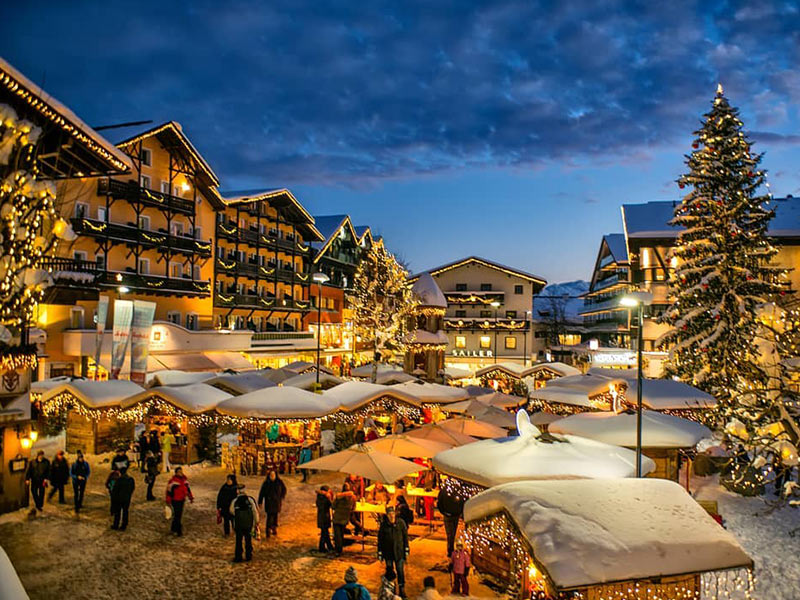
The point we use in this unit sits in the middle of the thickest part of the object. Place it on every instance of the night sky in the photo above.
(510, 130)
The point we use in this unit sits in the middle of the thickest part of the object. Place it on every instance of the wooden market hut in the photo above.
(509, 377)
(602, 538)
(578, 393)
(356, 400)
(665, 438)
(92, 407)
(185, 411)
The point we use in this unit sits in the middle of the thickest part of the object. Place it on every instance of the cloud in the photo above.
(775, 138)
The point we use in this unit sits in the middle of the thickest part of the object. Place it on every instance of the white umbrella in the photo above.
(407, 446)
(544, 418)
(437, 433)
(471, 427)
(500, 400)
(493, 415)
(362, 460)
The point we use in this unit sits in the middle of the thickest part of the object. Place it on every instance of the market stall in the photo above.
(637, 539)
(308, 381)
(240, 383)
(381, 405)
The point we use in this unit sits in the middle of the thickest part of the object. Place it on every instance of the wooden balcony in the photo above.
(134, 193)
(132, 235)
(154, 284)
(255, 239)
(235, 268)
(253, 301)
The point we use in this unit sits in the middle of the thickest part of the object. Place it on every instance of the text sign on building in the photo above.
(614, 358)
(473, 353)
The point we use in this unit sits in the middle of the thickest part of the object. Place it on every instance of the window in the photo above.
(486, 342)
(461, 341)
(101, 213)
(76, 317)
(174, 316)
(144, 266)
(144, 223)
(79, 256)
(511, 342)
(144, 181)
(461, 313)
(177, 229)
(511, 314)
(486, 314)
(518, 289)
(81, 210)
(461, 287)
(175, 270)
(100, 261)
(165, 187)
(486, 287)
(191, 320)
(196, 272)
(198, 233)
(146, 157)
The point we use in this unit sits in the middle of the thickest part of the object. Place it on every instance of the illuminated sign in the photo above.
(614, 358)
(473, 353)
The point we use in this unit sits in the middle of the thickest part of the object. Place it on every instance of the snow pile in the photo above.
(658, 430)
(532, 456)
(195, 398)
(277, 403)
(428, 292)
(353, 395)
(95, 394)
(664, 394)
(10, 585)
(596, 531)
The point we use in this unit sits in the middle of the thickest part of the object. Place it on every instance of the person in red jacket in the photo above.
(177, 492)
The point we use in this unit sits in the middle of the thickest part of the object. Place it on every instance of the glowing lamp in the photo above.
(26, 443)
(123, 289)
(34, 435)
(185, 186)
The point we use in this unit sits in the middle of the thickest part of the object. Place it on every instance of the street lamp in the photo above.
(320, 278)
(495, 304)
(638, 300)
(525, 338)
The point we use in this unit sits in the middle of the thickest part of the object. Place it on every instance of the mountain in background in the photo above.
(565, 294)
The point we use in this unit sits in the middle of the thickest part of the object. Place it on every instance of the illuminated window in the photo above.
(486, 314)
(486, 342)
(569, 339)
(461, 341)
(144, 181)
(511, 314)
(511, 342)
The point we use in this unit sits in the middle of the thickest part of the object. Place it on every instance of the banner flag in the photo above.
(123, 315)
(143, 313)
(102, 315)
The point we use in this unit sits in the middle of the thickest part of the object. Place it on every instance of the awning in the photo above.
(230, 360)
(153, 364)
(188, 362)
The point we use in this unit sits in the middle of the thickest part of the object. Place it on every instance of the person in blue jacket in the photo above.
(351, 590)
(80, 475)
(305, 456)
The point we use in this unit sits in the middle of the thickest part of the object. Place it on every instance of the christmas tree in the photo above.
(382, 304)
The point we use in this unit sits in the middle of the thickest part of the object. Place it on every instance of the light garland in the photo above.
(17, 357)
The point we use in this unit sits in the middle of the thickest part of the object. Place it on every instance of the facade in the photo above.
(480, 333)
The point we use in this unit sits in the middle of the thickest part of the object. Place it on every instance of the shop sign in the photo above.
(14, 382)
(473, 353)
(614, 358)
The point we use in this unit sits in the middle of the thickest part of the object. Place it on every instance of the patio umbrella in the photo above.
(362, 460)
(474, 428)
(437, 433)
(544, 418)
(492, 415)
(408, 447)
(500, 400)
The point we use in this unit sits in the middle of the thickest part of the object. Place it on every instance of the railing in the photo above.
(247, 269)
(69, 265)
(473, 297)
(132, 192)
(143, 237)
(260, 337)
(487, 324)
(154, 284)
(255, 301)
(232, 232)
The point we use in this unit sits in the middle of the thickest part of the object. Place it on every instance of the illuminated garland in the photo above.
(202, 287)
(459, 488)
(300, 304)
(421, 346)
(160, 198)
(60, 403)
(203, 246)
(18, 357)
(471, 299)
(156, 239)
(226, 266)
(380, 405)
(225, 299)
(302, 277)
(486, 325)
(231, 231)
(267, 271)
(154, 284)
(265, 302)
(98, 228)
(155, 406)
(303, 248)
(430, 311)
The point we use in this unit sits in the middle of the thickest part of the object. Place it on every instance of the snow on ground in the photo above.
(59, 555)
(764, 536)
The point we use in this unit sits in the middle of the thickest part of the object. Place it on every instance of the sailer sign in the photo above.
(473, 353)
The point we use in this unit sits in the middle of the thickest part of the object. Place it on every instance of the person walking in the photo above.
(351, 590)
(393, 546)
(120, 460)
(404, 511)
(388, 587)
(154, 444)
(305, 456)
(80, 475)
(451, 509)
(142, 446)
(167, 440)
(151, 471)
(460, 564)
(245, 519)
(343, 504)
(272, 493)
(36, 477)
(324, 505)
(121, 494)
(177, 492)
(59, 476)
(429, 590)
(225, 497)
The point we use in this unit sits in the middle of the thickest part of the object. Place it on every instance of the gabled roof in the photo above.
(82, 152)
(485, 263)
(363, 231)
(616, 245)
(330, 226)
(278, 197)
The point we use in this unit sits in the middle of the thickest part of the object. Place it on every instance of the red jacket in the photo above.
(178, 489)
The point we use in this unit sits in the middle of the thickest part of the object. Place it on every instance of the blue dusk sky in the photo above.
(510, 130)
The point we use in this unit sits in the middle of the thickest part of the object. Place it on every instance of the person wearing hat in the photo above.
(387, 591)
(80, 475)
(393, 546)
(460, 564)
(351, 590)
(36, 477)
(245, 518)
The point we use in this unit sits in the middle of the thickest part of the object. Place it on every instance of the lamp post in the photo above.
(320, 278)
(525, 338)
(638, 300)
(495, 304)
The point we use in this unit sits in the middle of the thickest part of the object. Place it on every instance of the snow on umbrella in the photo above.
(492, 415)
(362, 460)
(408, 447)
(437, 433)
(544, 418)
(500, 400)
(474, 428)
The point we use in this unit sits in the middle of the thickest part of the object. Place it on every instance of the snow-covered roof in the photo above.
(561, 368)
(194, 398)
(486, 263)
(95, 394)
(589, 384)
(365, 370)
(664, 394)
(529, 456)
(392, 377)
(519, 371)
(617, 247)
(277, 376)
(172, 377)
(431, 392)
(277, 403)
(514, 369)
(352, 395)
(428, 292)
(302, 366)
(658, 429)
(240, 383)
(48, 384)
(306, 381)
(420, 336)
(597, 531)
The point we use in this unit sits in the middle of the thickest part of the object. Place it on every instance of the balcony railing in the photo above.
(132, 192)
(149, 239)
(233, 267)
(69, 265)
(255, 301)
(154, 284)
(475, 297)
(233, 233)
(487, 324)
(262, 338)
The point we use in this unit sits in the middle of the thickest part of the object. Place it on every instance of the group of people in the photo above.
(354, 590)
(42, 472)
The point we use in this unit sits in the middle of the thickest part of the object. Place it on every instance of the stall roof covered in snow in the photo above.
(241, 383)
(520, 371)
(420, 336)
(658, 429)
(428, 292)
(306, 381)
(352, 395)
(665, 394)
(171, 377)
(561, 368)
(95, 394)
(598, 531)
(431, 392)
(366, 370)
(277, 403)
(194, 398)
(532, 456)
